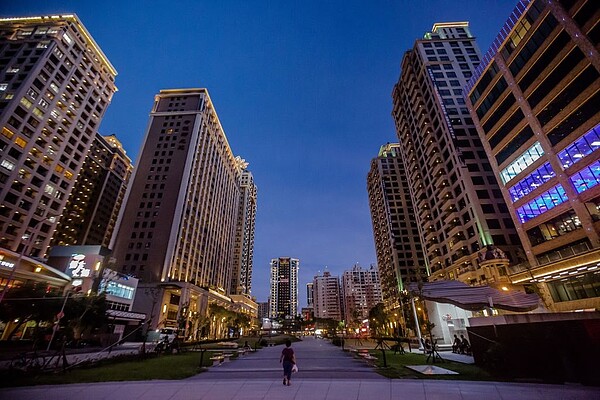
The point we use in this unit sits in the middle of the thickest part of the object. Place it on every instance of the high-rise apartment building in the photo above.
(310, 294)
(91, 212)
(360, 292)
(241, 277)
(263, 310)
(327, 297)
(176, 230)
(535, 101)
(400, 256)
(466, 230)
(284, 287)
(55, 85)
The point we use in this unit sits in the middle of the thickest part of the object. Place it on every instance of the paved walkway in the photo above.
(326, 373)
(316, 359)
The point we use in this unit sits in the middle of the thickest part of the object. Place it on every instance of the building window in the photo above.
(542, 203)
(8, 165)
(556, 227)
(576, 287)
(581, 147)
(67, 39)
(586, 178)
(523, 161)
(531, 182)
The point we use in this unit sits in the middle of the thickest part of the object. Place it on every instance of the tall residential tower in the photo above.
(55, 85)
(327, 297)
(284, 287)
(361, 291)
(399, 251)
(91, 212)
(241, 277)
(176, 231)
(466, 229)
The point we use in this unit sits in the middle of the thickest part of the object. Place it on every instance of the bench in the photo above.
(226, 357)
(361, 352)
(369, 358)
(217, 360)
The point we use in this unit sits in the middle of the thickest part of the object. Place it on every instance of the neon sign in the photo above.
(77, 266)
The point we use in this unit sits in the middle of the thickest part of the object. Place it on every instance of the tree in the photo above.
(32, 301)
(218, 315)
(378, 319)
(86, 314)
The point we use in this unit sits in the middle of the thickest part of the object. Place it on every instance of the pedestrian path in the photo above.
(302, 389)
(316, 359)
(326, 373)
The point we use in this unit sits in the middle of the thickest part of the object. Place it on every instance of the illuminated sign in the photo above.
(77, 266)
(6, 264)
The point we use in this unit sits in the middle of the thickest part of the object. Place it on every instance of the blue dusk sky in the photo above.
(302, 89)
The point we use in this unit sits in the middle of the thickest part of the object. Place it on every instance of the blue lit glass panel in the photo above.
(542, 203)
(584, 145)
(587, 177)
(528, 184)
(527, 158)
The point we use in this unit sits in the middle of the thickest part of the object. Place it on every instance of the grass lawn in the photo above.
(176, 366)
(396, 368)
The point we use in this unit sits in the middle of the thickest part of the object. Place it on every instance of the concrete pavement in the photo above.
(326, 373)
(308, 389)
(316, 359)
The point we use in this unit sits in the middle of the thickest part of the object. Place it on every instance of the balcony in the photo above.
(465, 270)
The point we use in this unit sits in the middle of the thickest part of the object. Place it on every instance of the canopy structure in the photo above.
(475, 298)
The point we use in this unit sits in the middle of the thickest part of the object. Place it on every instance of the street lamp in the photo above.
(26, 236)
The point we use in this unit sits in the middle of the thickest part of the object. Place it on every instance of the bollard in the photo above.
(384, 359)
(202, 351)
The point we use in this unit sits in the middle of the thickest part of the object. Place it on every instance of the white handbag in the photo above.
(295, 368)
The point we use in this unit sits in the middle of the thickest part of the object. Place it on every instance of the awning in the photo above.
(475, 298)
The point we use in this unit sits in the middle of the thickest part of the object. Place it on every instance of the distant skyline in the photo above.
(302, 89)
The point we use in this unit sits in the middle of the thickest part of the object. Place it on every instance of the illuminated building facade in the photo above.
(176, 231)
(55, 85)
(241, 277)
(310, 294)
(361, 291)
(466, 230)
(534, 99)
(400, 256)
(283, 299)
(91, 212)
(327, 297)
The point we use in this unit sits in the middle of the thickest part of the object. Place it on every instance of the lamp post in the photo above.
(26, 237)
(58, 318)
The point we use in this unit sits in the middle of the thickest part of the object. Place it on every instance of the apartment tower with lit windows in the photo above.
(399, 252)
(535, 101)
(284, 288)
(91, 212)
(466, 230)
(55, 85)
(176, 230)
(241, 277)
(360, 292)
(327, 298)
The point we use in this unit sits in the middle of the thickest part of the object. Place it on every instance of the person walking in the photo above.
(288, 359)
